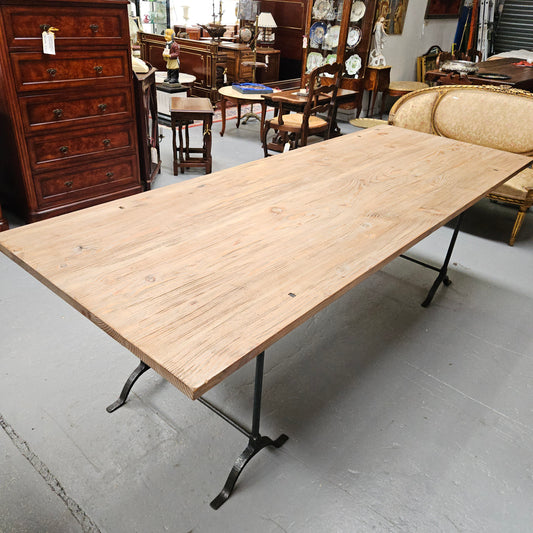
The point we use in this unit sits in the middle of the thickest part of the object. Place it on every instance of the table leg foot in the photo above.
(134, 376)
(255, 445)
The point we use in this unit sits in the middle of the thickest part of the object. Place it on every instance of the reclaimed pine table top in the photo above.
(199, 277)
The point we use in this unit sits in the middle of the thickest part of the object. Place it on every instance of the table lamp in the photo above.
(266, 24)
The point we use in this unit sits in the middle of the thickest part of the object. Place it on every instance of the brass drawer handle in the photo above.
(58, 113)
(68, 183)
(109, 174)
(63, 149)
(102, 107)
(52, 72)
(98, 69)
(106, 142)
(94, 27)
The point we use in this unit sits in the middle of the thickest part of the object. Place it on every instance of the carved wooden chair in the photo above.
(460, 112)
(297, 127)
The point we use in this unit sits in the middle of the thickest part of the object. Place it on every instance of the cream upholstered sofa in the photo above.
(491, 116)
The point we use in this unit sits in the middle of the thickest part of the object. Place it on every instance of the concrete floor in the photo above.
(400, 419)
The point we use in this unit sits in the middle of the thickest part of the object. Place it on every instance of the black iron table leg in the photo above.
(443, 272)
(256, 441)
(134, 376)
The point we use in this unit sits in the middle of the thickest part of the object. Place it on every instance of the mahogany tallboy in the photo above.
(67, 119)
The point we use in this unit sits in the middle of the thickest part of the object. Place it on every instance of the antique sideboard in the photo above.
(212, 63)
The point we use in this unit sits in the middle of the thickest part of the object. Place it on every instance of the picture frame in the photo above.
(443, 9)
(394, 14)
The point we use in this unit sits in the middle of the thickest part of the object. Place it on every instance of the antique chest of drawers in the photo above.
(67, 119)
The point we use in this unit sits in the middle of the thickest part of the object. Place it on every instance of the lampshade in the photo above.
(266, 20)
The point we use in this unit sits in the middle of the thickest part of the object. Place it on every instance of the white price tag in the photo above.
(304, 42)
(153, 154)
(49, 44)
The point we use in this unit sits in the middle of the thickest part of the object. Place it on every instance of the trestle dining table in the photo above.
(198, 278)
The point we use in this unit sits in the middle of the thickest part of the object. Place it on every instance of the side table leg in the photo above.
(223, 110)
(174, 148)
(208, 122)
(263, 118)
(238, 113)
(180, 124)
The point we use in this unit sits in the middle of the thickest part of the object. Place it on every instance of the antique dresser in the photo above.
(67, 119)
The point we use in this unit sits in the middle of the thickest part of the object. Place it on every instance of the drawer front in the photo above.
(61, 110)
(77, 28)
(83, 183)
(73, 147)
(34, 71)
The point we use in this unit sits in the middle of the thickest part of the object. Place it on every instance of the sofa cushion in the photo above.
(518, 187)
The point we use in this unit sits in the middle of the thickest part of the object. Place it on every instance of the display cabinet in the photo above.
(340, 31)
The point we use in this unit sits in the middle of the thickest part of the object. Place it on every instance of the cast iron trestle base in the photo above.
(256, 441)
(443, 270)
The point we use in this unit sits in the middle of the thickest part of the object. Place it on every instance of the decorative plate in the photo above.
(314, 60)
(332, 37)
(354, 36)
(330, 59)
(322, 9)
(358, 11)
(316, 34)
(245, 34)
(352, 65)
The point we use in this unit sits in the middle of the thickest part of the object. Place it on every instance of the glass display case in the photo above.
(154, 15)
(339, 31)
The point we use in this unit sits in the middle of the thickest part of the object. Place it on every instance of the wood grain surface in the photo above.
(198, 278)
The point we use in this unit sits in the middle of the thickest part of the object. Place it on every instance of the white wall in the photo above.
(417, 37)
(201, 11)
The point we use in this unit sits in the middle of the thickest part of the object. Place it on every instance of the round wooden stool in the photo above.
(399, 88)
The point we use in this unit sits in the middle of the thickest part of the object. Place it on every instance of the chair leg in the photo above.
(265, 146)
(518, 223)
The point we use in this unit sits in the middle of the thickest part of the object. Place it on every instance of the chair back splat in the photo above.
(295, 128)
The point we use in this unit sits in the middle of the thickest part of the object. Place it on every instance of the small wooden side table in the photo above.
(399, 88)
(182, 111)
(229, 93)
(377, 80)
(3, 221)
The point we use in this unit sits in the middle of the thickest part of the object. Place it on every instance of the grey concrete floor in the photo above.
(400, 419)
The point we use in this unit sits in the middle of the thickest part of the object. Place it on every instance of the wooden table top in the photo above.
(519, 77)
(191, 105)
(199, 277)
